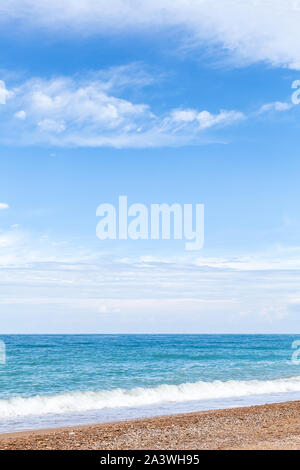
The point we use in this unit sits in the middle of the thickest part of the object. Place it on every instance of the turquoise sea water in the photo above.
(62, 380)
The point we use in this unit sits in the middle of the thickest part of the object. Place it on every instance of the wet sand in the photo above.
(275, 426)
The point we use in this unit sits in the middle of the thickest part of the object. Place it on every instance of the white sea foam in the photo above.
(74, 402)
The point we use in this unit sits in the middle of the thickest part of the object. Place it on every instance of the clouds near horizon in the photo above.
(40, 275)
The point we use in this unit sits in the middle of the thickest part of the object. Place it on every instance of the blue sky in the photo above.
(180, 101)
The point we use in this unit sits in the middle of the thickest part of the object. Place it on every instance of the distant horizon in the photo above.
(149, 334)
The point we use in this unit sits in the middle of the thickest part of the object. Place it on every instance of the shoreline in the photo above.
(271, 426)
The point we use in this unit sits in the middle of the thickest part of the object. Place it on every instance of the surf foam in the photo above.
(73, 402)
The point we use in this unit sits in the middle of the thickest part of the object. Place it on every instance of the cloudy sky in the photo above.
(186, 101)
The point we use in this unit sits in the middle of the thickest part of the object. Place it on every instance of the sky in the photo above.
(169, 101)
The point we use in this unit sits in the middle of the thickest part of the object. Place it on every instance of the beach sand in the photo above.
(275, 426)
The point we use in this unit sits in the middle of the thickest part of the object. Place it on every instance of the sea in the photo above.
(65, 380)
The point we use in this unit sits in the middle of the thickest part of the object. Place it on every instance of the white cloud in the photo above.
(45, 277)
(275, 106)
(89, 112)
(38, 274)
(4, 93)
(205, 119)
(246, 30)
(94, 111)
(20, 115)
(3, 206)
(52, 126)
(184, 115)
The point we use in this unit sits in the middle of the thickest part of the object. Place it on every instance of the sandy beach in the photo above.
(275, 426)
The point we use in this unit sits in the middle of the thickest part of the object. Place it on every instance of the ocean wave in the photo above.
(73, 402)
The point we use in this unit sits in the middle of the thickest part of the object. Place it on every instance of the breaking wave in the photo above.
(73, 402)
